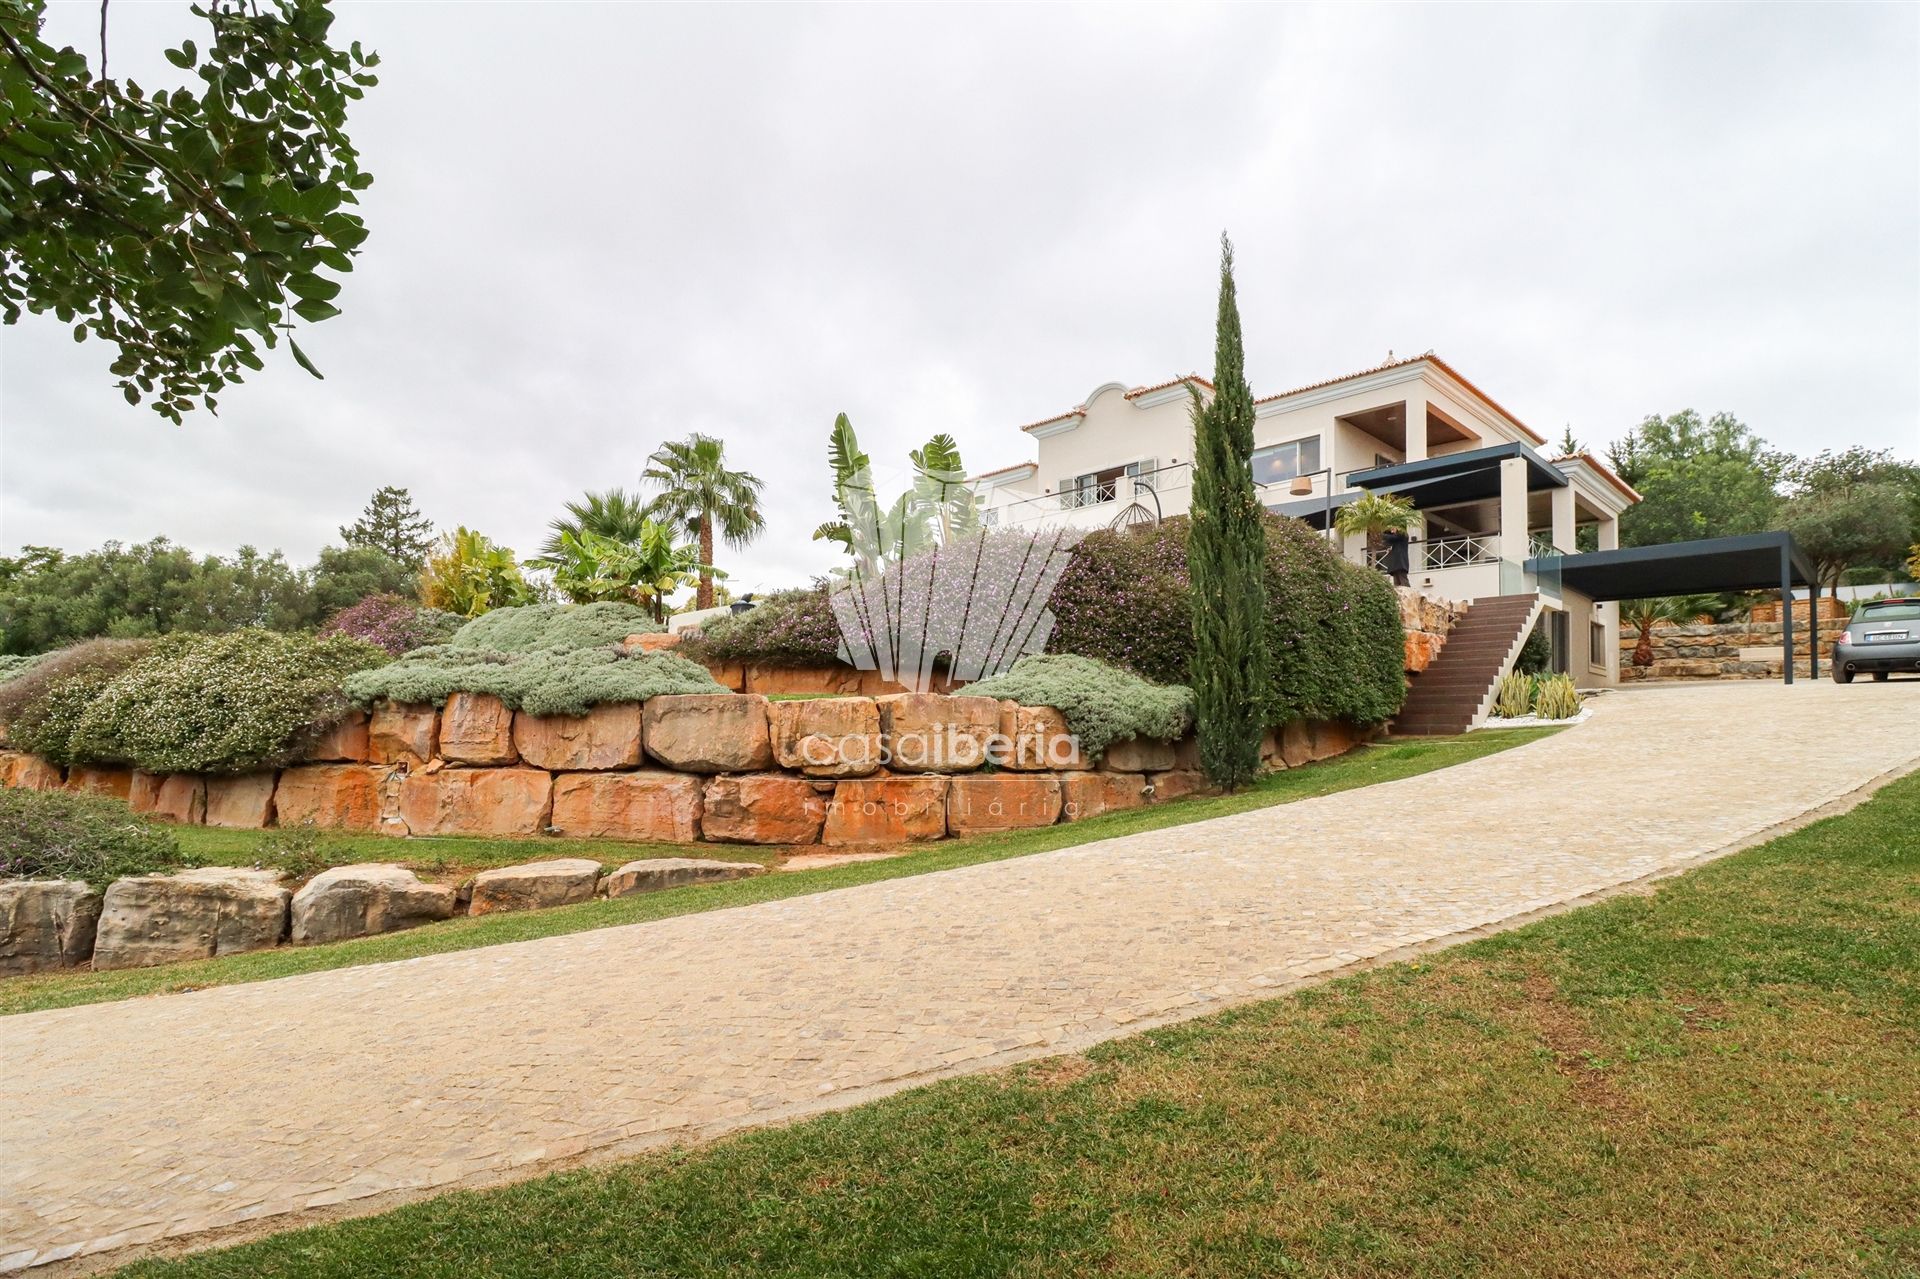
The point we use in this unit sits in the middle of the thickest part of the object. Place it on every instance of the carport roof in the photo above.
(1751, 562)
(1452, 478)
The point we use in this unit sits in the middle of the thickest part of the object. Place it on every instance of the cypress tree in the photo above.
(1226, 548)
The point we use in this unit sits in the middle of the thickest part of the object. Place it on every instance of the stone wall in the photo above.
(1426, 621)
(1724, 650)
(706, 768)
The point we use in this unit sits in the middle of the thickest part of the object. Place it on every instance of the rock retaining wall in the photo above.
(1725, 650)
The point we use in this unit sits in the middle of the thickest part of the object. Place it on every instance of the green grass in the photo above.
(1364, 767)
(1715, 1079)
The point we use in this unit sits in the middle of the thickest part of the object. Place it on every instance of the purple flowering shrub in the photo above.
(790, 628)
(1333, 628)
(394, 623)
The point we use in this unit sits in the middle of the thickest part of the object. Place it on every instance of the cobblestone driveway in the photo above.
(126, 1123)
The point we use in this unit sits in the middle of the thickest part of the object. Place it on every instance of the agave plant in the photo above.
(1556, 698)
(1514, 697)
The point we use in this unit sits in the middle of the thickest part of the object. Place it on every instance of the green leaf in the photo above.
(185, 56)
(314, 287)
(315, 311)
(305, 363)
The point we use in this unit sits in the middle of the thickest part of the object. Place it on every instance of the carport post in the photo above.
(1786, 611)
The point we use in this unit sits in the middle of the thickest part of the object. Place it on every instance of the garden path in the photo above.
(240, 1107)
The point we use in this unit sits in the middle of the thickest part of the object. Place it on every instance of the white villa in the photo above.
(1496, 513)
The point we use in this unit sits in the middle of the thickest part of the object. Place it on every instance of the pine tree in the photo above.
(1226, 552)
(391, 524)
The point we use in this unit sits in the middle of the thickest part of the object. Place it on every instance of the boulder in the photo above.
(329, 796)
(1332, 737)
(357, 901)
(650, 804)
(534, 886)
(651, 875)
(196, 914)
(476, 801)
(1421, 648)
(144, 792)
(1178, 783)
(401, 734)
(936, 733)
(1036, 738)
(477, 728)
(114, 783)
(653, 642)
(709, 732)
(980, 802)
(181, 798)
(763, 808)
(45, 923)
(30, 772)
(1138, 755)
(605, 737)
(876, 810)
(826, 737)
(840, 681)
(1084, 795)
(1186, 751)
(245, 802)
(1296, 743)
(343, 741)
(728, 675)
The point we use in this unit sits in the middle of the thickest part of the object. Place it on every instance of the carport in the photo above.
(1752, 562)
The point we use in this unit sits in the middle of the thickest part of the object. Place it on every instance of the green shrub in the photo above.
(12, 664)
(43, 705)
(1102, 704)
(228, 703)
(791, 628)
(555, 682)
(1334, 641)
(534, 628)
(55, 835)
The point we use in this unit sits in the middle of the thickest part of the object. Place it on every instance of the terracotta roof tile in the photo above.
(1017, 466)
(1434, 360)
(1606, 472)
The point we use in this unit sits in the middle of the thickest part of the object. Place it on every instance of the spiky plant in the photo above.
(615, 513)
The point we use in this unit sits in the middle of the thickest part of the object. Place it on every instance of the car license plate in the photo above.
(1884, 636)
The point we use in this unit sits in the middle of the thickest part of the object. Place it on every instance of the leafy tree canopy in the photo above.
(1843, 527)
(188, 227)
(392, 525)
(1699, 479)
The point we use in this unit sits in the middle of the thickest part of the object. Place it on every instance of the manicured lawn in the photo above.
(1716, 1079)
(1364, 767)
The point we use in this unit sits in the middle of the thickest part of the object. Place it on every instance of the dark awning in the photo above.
(1312, 509)
(1472, 476)
(1752, 562)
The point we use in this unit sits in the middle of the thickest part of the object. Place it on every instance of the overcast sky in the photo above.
(596, 227)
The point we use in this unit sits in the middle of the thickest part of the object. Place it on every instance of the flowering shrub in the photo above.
(54, 835)
(394, 623)
(1102, 705)
(41, 706)
(534, 628)
(228, 703)
(1334, 637)
(791, 628)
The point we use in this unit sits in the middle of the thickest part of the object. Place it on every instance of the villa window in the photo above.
(1096, 487)
(1597, 644)
(1284, 461)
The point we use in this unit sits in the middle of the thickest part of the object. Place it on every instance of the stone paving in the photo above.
(163, 1118)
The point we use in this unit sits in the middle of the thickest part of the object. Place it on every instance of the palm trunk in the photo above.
(705, 597)
(1643, 651)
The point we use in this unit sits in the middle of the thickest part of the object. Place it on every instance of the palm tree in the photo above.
(1644, 615)
(1377, 514)
(616, 514)
(698, 493)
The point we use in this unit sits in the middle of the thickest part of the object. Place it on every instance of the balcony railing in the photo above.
(1539, 547)
(1167, 484)
(1447, 552)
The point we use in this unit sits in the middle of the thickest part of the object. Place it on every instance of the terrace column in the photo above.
(1610, 533)
(1563, 534)
(1416, 416)
(1513, 509)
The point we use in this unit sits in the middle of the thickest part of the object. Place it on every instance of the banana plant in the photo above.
(644, 569)
(876, 533)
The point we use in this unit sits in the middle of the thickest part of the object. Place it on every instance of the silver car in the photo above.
(1882, 638)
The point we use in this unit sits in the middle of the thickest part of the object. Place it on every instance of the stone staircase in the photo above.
(1452, 694)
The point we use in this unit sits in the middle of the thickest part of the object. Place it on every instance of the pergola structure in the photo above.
(1751, 562)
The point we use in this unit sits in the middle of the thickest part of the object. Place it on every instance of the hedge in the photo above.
(229, 703)
(1101, 703)
(55, 835)
(1334, 637)
(551, 682)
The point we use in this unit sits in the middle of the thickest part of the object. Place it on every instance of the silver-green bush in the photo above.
(535, 628)
(42, 705)
(1102, 704)
(554, 682)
